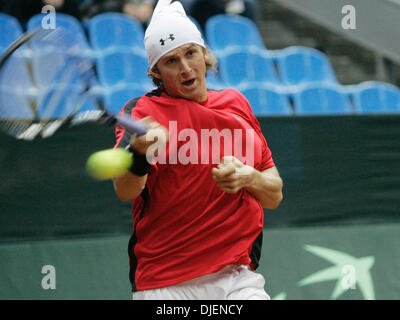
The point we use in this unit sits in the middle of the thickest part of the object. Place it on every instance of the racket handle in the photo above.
(131, 125)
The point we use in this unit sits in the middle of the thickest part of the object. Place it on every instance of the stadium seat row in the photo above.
(324, 99)
(312, 99)
(294, 80)
(291, 66)
(238, 43)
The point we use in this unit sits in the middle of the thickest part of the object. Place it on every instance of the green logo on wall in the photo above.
(350, 273)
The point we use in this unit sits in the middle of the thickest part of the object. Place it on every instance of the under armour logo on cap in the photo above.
(169, 29)
(171, 37)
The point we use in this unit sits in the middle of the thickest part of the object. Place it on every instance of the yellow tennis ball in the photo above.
(109, 164)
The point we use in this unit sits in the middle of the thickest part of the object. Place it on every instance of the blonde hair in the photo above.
(211, 65)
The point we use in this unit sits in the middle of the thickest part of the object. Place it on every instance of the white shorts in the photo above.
(231, 283)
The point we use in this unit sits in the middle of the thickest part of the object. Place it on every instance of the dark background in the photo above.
(336, 171)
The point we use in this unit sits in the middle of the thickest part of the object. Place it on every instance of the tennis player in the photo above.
(198, 214)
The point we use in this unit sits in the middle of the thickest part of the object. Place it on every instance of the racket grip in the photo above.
(131, 125)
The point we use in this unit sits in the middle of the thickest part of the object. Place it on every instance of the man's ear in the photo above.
(155, 73)
(205, 52)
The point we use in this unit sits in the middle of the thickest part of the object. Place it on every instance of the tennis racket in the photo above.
(48, 81)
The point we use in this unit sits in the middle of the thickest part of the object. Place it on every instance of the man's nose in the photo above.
(185, 66)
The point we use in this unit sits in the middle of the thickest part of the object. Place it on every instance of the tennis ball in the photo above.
(109, 164)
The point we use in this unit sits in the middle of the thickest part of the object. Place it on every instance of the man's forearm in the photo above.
(129, 186)
(266, 186)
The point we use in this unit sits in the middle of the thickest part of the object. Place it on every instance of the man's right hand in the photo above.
(155, 134)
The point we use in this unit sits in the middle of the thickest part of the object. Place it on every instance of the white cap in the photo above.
(169, 29)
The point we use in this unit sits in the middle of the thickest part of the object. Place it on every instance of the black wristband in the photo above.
(140, 166)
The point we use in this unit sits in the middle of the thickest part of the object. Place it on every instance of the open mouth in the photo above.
(189, 82)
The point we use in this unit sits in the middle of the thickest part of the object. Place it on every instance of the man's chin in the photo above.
(195, 94)
(197, 97)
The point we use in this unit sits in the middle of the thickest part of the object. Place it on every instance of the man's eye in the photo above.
(171, 61)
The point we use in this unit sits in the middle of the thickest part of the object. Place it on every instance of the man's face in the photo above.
(183, 72)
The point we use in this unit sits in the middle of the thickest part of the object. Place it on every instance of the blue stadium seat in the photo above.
(267, 100)
(16, 75)
(65, 21)
(118, 96)
(223, 31)
(10, 30)
(53, 72)
(91, 102)
(50, 68)
(214, 81)
(298, 65)
(244, 65)
(119, 65)
(16, 88)
(320, 99)
(9, 99)
(115, 29)
(57, 101)
(60, 100)
(376, 97)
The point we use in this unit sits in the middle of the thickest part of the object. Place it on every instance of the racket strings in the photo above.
(47, 77)
(15, 127)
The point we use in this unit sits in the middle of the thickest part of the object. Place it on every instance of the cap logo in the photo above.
(171, 37)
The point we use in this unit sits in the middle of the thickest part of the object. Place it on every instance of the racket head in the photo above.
(45, 76)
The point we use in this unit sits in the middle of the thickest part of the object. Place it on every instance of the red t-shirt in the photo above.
(185, 226)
